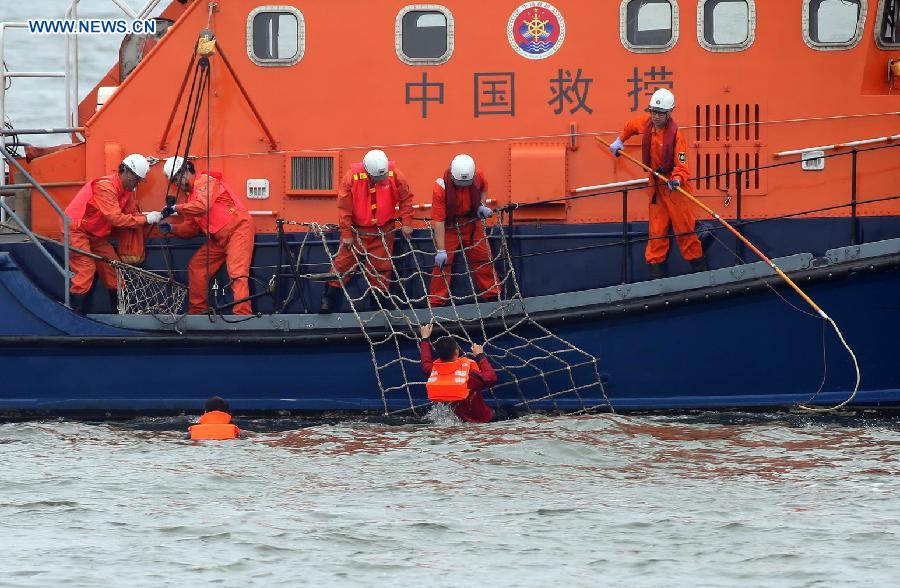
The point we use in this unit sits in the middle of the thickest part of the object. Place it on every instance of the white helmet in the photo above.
(462, 170)
(376, 164)
(173, 165)
(138, 164)
(662, 99)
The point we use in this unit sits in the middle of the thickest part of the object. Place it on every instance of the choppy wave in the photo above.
(699, 500)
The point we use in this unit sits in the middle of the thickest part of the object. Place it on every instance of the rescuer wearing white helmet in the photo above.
(664, 149)
(215, 210)
(459, 199)
(369, 197)
(106, 207)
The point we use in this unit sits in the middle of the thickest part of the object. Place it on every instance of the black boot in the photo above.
(657, 270)
(114, 301)
(698, 265)
(330, 299)
(76, 303)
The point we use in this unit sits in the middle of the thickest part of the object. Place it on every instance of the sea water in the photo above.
(695, 500)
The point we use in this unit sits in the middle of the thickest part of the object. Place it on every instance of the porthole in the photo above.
(648, 26)
(726, 25)
(833, 25)
(423, 34)
(276, 36)
(887, 25)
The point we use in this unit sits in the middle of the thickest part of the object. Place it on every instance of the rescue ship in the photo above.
(791, 116)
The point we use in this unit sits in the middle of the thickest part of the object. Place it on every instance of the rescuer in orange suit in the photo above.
(104, 204)
(368, 196)
(665, 150)
(215, 423)
(212, 208)
(458, 199)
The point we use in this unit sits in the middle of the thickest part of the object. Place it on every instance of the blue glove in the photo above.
(440, 259)
(673, 183)
(168, 211)
(164, 228)
(484, 212)
(617, 146)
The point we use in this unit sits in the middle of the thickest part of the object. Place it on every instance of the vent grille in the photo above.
(729, 137)
(709, 166)
(727, 122)
(312, 173)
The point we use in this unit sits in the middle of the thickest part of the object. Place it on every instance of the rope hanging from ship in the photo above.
(818, 310)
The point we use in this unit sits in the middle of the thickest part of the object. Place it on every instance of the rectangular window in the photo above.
(727, 24)
(887, 31)
(424, 35)
(833, 24)
(275, 36)
(312, 174)
(649, 25)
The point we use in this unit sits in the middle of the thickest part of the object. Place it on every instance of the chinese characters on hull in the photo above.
(648, 83)
(494, 93)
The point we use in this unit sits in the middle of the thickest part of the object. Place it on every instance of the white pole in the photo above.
(859, 143)
(612, 185)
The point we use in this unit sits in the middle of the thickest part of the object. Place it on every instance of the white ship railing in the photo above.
(70, 75)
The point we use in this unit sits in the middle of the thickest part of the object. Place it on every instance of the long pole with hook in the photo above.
(661, 178)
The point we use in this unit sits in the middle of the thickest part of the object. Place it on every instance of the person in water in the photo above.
(215, 423)
(457, 380)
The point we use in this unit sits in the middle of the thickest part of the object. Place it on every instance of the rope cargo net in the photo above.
(143, 292)
(536, 368)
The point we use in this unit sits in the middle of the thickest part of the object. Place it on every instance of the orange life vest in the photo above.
(374, 205)
(222, 205)
(449, 380)
(83, 210)
(215, 425)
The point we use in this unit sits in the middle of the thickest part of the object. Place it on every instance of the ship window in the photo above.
(649, 26)
(887, 29)
(423, 34)
(833, 24)
(726, 25)
(275, 35)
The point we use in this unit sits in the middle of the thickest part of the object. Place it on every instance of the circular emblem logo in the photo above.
(536, 30)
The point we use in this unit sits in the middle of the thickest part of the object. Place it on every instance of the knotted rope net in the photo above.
(536, 368)
(143, 292)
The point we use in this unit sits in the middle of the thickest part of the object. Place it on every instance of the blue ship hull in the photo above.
(727, 344)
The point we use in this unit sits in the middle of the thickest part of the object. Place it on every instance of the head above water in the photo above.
(133, 170)
(217, 403)
(180, 172)
(376, 164)
(446, 349)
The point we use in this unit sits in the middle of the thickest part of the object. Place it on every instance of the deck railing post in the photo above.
(854, 220)
(625, 237)
(279, 224)
(738, 196)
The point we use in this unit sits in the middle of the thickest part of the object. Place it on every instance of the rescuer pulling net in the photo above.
(536, 369)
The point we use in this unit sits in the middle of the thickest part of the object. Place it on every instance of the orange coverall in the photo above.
(105, 202)
(668, 207)
(232, 244)
(472, 233)
(378, 248)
